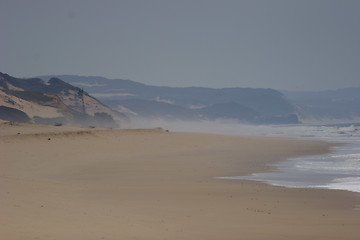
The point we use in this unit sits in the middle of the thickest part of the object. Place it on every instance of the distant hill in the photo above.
(53, 102)
(342, 105)
(192, 103)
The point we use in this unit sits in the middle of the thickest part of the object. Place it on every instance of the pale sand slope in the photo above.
(150, 184)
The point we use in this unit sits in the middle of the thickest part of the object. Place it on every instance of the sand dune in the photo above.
(71, 183)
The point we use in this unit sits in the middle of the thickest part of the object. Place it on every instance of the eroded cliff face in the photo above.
(54, 102)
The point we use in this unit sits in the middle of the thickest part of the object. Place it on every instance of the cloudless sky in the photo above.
(280, 44)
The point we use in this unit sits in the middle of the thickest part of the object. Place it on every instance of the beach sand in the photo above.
(70, 183)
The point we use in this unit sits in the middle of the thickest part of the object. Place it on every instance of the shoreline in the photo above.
(151, 184)
(294, 172)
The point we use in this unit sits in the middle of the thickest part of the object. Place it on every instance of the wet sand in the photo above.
(70, 183)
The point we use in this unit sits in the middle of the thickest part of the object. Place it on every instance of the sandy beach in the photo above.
(69, 183)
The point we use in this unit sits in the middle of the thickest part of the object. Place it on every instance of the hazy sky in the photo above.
(280, 44)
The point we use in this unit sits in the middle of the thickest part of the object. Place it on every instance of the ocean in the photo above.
(337, 170)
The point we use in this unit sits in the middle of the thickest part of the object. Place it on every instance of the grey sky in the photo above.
(282, 44)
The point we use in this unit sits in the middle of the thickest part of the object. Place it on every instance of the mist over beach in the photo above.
(179, 119)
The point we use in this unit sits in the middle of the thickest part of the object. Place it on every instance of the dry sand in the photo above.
(150, 184)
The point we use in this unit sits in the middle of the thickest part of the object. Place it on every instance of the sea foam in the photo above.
(338, 170)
